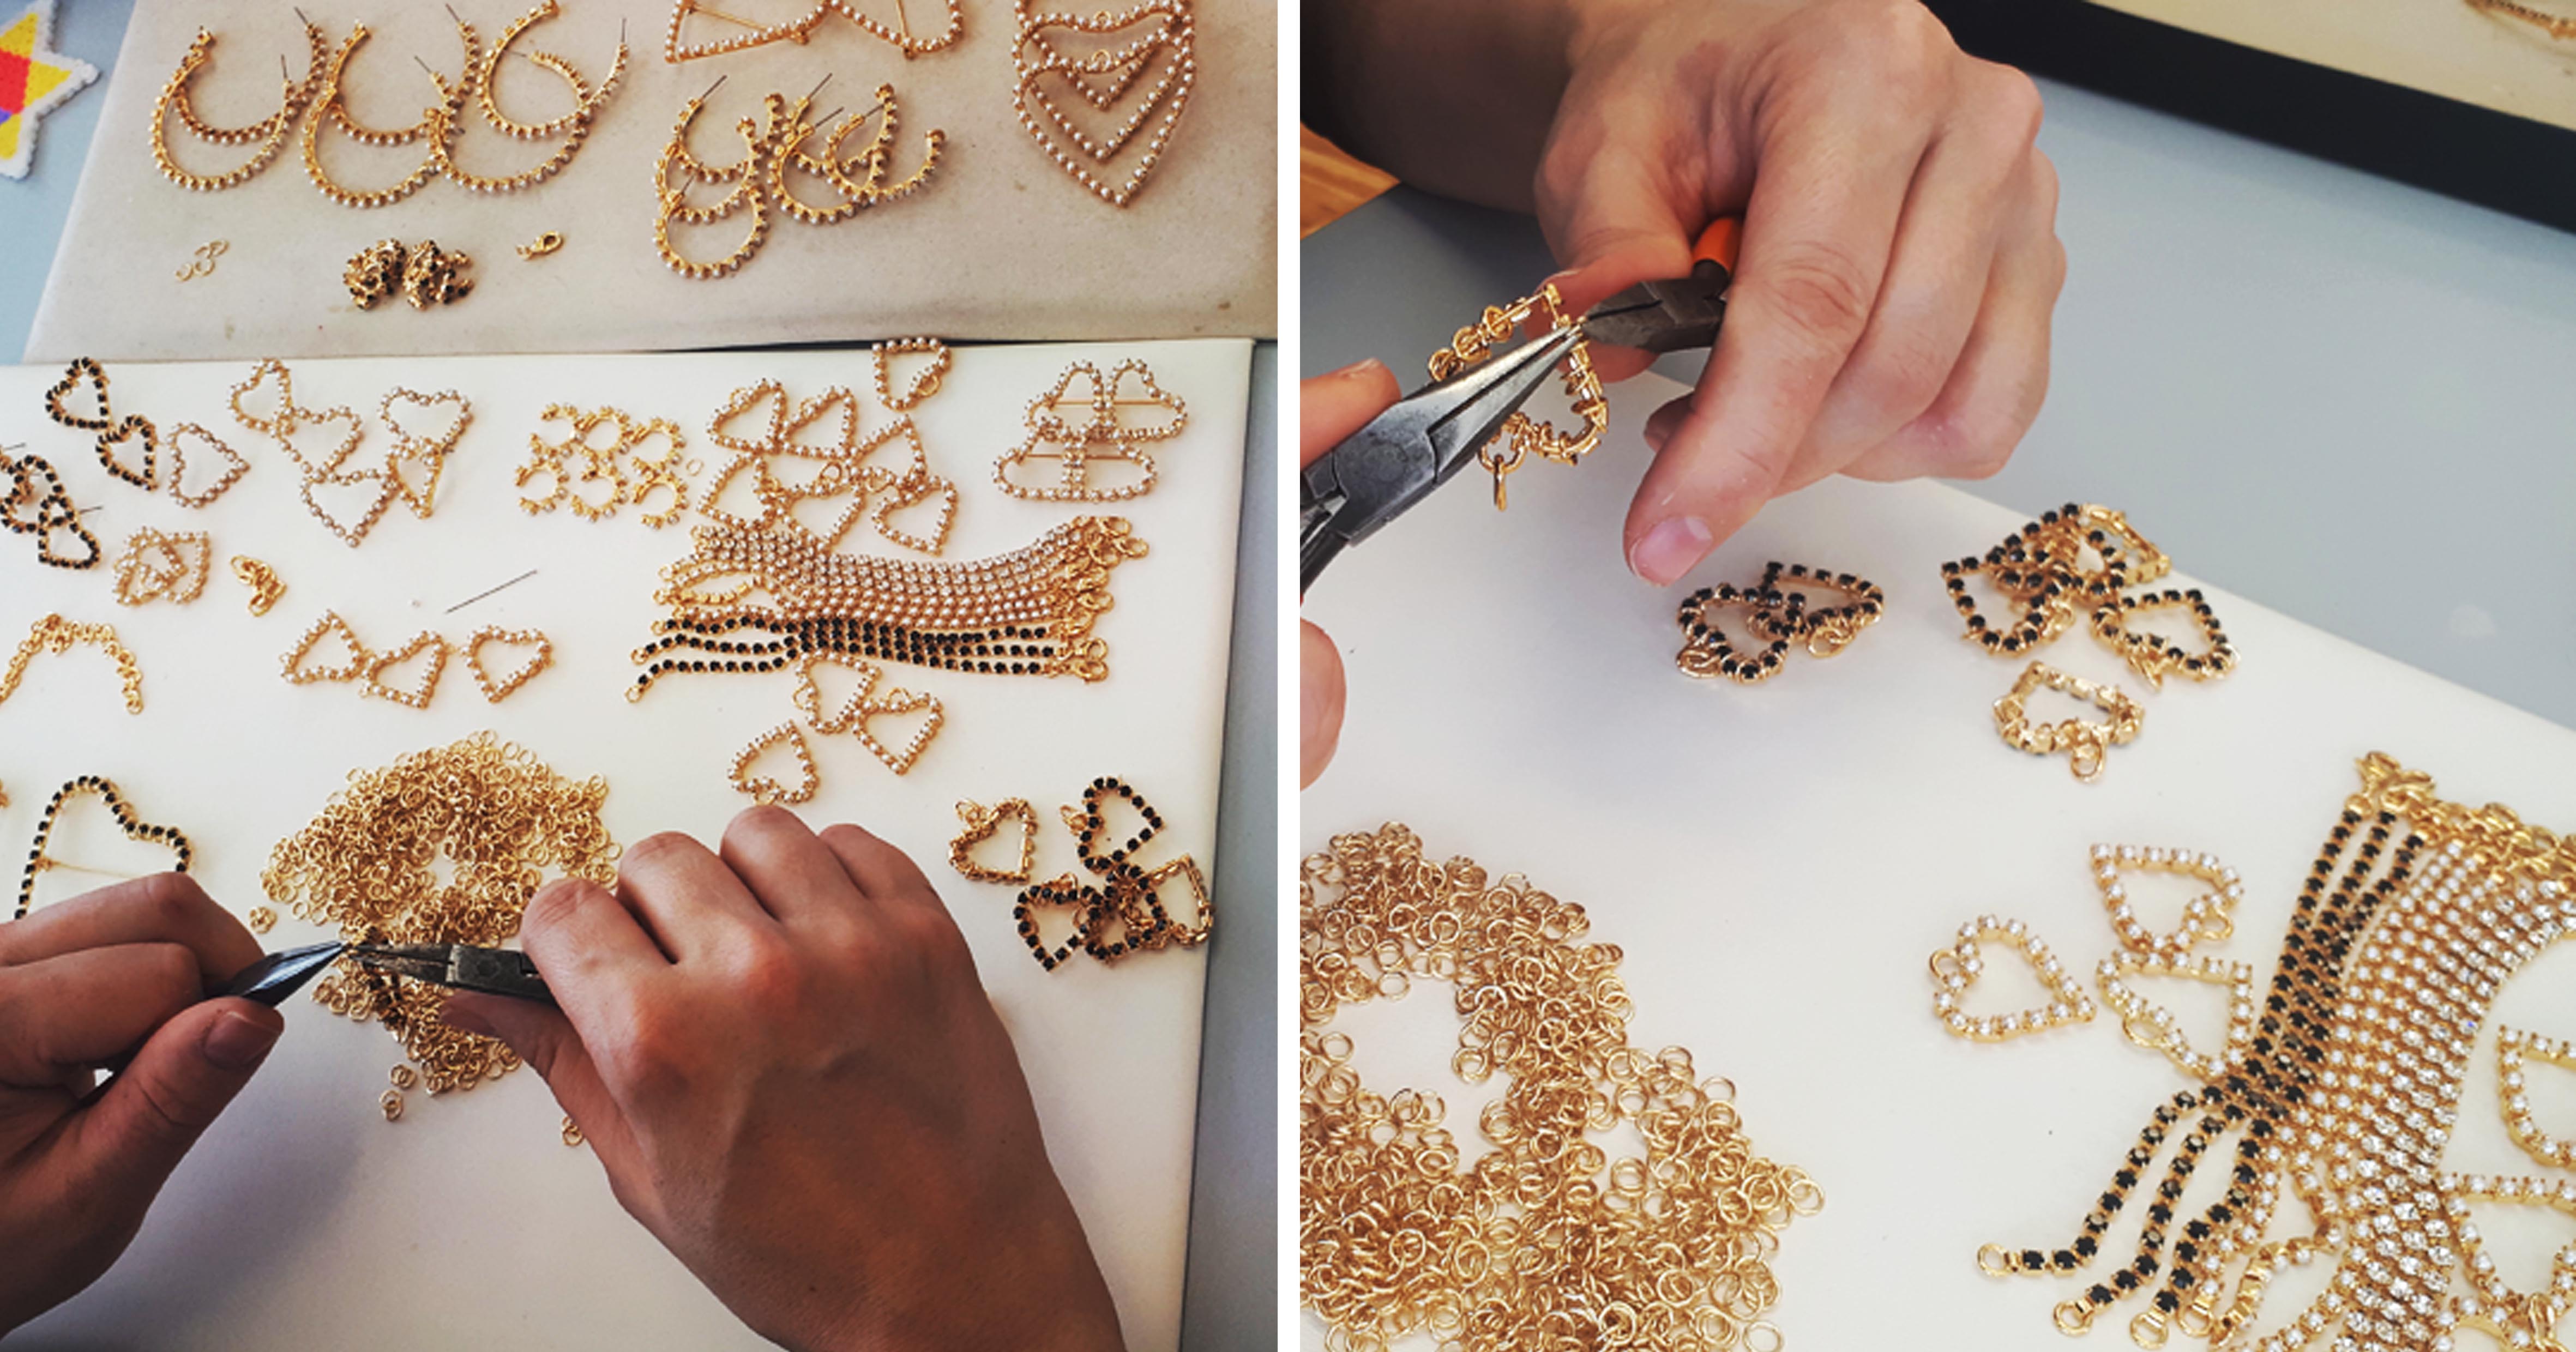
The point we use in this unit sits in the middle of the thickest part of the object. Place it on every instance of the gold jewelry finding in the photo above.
(2560, 26)
(2209, 917)
(2086, 744)
(260, 919)
(54, 634)
(763, 788)
(234, 465)
(2514, 1048)
(981, 823)
(1956, 968)
(426, 686)
(799, 29)
(543, 245)
(374, 273)
(293, 667)
(330, 108)
(1112, 429)
(134, 828)
(1522, 435)
(774, 148)
(163, 567)
(2153, 1027)
(498, 689)
(202, 263)
(263, 581)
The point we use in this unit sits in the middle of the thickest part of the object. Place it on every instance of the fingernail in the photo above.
(1669, 550)
(1355, 368)
(238, 1042)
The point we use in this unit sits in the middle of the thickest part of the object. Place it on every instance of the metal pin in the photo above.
(711, 89)
(494, 591)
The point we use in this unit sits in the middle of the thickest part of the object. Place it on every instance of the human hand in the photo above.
(1330, 408)
(1890, 314)
(83, 983)
(783, 1059)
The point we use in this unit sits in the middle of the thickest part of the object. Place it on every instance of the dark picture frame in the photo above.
(2510, 164)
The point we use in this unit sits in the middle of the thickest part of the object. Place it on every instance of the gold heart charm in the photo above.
(134, 827)
(1175, 931)
(1131, 388)
(841, 433)
(320, 442)
(35, 498)
(924, 382)
(981, 824)
(2152, 656)
(2209, 916)
(1956, 968)
(167, 567)
(2152, 1026)
(808, 693)
(350, 504)
(896, 703)
(269, 385)
(85, 373)
(133, 428)
(2513, 1046)
(330, 625)
(892, 458)
(765, 789)
(765, 404)
(1091, 820)
(497, 690)
(415, 472)
(2087, 744)
(1059, 893)
(851, 506)
(234, 466)
(925, 489)
(1036, 63)
(424, 687)
(434, 422)
(741, 475)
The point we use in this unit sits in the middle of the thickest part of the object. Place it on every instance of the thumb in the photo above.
(546, 1040)
(141, 1125)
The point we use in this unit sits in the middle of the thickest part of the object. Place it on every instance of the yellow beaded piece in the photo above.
(1124, 412)
(1026, 613)
(54, 634)
(1523, 436)
(1955, 969)
(497, 819)
(269, 133)
(159, 566)
(775, 159)
(744, 34)
(1544, 1238)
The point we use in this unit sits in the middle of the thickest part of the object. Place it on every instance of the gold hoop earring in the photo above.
(673, 205)
(479, 82)
(789, 135)
(329, 107)
(270, 133)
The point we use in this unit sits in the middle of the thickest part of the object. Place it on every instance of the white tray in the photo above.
(1779, 861)
(304, 1219)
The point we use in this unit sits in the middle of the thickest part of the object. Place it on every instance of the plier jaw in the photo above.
(491, 971)
(1665, 316)
(1420, 443)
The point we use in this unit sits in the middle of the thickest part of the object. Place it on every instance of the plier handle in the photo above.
(1425, 438)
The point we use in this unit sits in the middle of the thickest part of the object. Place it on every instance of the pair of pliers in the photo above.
(464, 967)
(1425, 438)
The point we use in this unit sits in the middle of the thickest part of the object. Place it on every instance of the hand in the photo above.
(83, 983)
(1330, 408)
(1890, 314)
(784, 1061)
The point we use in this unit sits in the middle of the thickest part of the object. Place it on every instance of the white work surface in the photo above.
(1778, 861)
(999, 243)
(304, 1219)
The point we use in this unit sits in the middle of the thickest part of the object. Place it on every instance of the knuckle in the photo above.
(1899, 379)
(2012, 105)
(555, 905)
(656, 1056)
(655, 849)
(1820, 292)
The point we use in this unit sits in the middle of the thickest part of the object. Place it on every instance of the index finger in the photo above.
(1827, 193)
(163, 908)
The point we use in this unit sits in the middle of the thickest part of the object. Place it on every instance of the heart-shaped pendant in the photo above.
(892, 458)
(1186, 934)
(1090, 822)
(424, 686)
(1037, 65)
(2087, 744)
(924, 381)
(265, 397)
(431, 421)
(347, 669)
(1059, 893)
(234, 466)
(753, 420)
(827, 530)
(2207, 917)
(2152, 1026)
(896, 703)
(2151, 655)
(1132, 918)
(497, 689)
(981, 824)
(1827, 629)
(1956, 968)
(929, 487)
(414, 472)
(89, 414)
(132, 430)
(165, 567)
(738, 479)
(765, 788)
(808, 692)
(319, 442)
(134, 827)
(349, 504)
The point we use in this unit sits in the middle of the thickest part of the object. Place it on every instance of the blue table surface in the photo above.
(1231, 1297)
